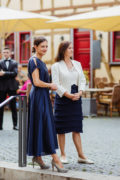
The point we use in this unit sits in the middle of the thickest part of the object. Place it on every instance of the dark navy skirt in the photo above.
(68, 114)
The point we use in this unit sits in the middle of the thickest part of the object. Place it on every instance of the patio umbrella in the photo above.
(105, 20)
(14, 20)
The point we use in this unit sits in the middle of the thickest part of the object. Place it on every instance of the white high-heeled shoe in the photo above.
(64, 160)
(86, 161)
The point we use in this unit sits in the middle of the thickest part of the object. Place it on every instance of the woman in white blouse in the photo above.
(68, 75)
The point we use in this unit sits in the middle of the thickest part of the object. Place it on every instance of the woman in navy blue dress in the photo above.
(41, 131)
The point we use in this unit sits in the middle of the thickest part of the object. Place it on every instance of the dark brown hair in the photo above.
(6, 48)
(38, 41)
(61, 50)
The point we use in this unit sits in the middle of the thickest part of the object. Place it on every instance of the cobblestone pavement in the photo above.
(101, 143)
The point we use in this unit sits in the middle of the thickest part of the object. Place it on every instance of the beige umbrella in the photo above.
(14, 20)
(107, 19)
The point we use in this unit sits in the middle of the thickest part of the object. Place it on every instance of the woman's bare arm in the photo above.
(37, 82)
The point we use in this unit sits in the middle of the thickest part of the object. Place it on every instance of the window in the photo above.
(9, 42)
(25, 47)
(116, 46)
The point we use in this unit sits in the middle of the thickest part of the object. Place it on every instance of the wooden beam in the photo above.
(41, 4)
(52, 45)
(70, 14)
(108, 47)
(71, 2)
(108, 70)
(21, 4)
(52, 9)
(92, 5)
(8, 2)
(93, 2)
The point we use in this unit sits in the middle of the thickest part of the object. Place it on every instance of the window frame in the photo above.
(24, 62)
(113, 61)
(7, 43)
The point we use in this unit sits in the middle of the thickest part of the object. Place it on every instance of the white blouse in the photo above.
(64, 77)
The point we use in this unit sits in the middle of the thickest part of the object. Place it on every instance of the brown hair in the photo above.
(6, 48)
(61, 50)
(38, 41)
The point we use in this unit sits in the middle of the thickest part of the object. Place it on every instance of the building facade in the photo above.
(21, 43)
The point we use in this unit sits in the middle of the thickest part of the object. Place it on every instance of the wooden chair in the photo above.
(112, 101)
(97, 80)
(101, 85)
(111, 84)
(104, 79)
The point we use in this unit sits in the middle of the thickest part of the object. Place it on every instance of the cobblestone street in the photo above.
(101, 143)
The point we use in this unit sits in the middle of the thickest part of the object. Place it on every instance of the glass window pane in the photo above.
(24, 47)
(117, 49)
(117, 33)
(9, 42)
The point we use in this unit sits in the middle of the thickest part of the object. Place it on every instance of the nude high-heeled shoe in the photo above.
(43, 166)
(61, 170)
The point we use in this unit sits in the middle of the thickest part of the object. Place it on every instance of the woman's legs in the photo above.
(57, 160)
(39, 159)
(78, 144)
(61, 141)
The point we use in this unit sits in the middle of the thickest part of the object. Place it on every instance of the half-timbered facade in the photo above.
(21, 43)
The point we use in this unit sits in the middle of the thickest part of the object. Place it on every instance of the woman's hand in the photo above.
(53, 86)
(18, 91)
(2, 73)
(73, 97)
(77, 96)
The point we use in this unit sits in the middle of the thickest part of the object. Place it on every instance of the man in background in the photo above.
(8, 85)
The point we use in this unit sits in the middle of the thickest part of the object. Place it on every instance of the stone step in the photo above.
(11, 171)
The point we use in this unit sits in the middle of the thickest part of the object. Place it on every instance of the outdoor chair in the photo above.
(111, 100)
(104, 79)
(101, 85)
(97, 80)
(111, 84)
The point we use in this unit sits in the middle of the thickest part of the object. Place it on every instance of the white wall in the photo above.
(31, 5)
(59, 3)
(79, 2)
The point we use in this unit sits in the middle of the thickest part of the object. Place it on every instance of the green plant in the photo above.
(84, 169)
(86, 73)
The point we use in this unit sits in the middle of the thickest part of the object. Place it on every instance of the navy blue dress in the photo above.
(42, 138)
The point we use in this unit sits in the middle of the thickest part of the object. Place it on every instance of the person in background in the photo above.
(42, 138)
(8, 85)
(68, 76)
(21, 76)
(23, 89)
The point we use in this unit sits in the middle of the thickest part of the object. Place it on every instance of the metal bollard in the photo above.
(22, 130)
(22, 138)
